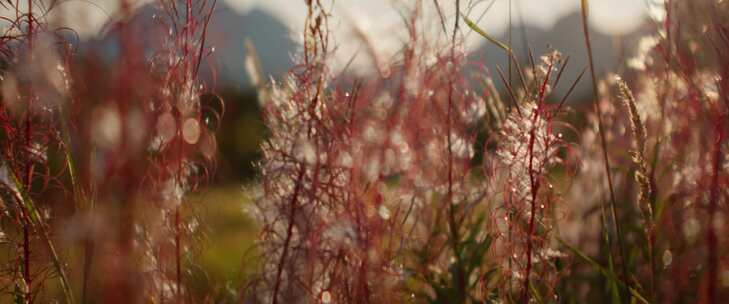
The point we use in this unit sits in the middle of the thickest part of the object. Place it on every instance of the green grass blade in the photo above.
(37, 222)
(610, 275)
(488, 37)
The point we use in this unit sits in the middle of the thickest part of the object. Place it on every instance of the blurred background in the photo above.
(275, 26)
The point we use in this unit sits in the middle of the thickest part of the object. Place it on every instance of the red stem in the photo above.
(603, 144)
(28, 165)
(711, 238)
(534, 180)
(289, 232)
(177, 252)
(455, 237)
(534, 188)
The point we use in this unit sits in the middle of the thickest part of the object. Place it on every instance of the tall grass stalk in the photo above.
(584, 5)
(642, 176)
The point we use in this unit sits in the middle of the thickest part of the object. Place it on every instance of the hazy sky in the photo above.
(381, 22)
(609, 16)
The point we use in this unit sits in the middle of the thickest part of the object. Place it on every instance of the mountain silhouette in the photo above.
(272, 39)
(566, 36)
(227, 32)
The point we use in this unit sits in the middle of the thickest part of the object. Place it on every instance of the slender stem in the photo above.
(711, 238)
(178, 274)
(289, 232)
(122, 289)
(534, 177)
(452, 221)
(534, 189)
(603, 141)
(36, 222)
(88, 262)
(511, 67)
(188, 38)
(28, 166)
(510, 85)
(26, 257)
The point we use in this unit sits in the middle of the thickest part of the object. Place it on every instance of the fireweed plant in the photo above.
(87, 145)
(419, 183)
(416, 185)
(374, 192)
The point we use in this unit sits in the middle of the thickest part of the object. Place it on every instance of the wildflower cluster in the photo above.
(368, 188)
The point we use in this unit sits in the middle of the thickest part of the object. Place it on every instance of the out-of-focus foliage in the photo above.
(418, 183)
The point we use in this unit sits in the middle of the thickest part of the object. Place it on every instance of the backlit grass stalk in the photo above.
(28, 178)
(712, 258)
(642, 178)
(315, 51)
(603, 143)
(35, 222)
(534, 176)
(460, 279)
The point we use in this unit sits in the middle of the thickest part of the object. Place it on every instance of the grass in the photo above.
(230, 233)
(414, 185)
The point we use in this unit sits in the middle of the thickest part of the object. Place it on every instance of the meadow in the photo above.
(431, 179)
